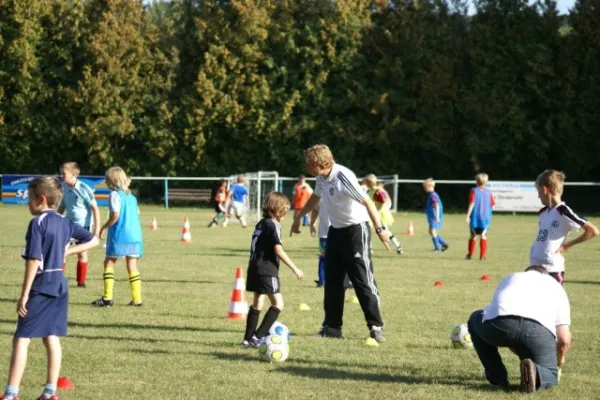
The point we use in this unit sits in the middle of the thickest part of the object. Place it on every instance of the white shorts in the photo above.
(236, 208)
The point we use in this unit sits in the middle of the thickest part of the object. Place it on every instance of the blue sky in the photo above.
(565, 5)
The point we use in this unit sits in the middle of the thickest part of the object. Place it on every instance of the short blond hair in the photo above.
(429, 182)
(276, 205)
(71, 167)
(47, 186)
(116, 178)
(241, 179)
(319, 155)
(481, 178)
(552, 179)
(371, 178)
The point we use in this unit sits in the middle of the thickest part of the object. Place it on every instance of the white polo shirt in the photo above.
(554, 227)
(531, 295)
(342, 197)
(323, 220)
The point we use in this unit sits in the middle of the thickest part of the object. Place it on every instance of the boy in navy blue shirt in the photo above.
(43, 304)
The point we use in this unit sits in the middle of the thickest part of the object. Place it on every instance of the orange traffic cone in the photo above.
(438, 283)
(238, 308)
(64, 383)
(153, 224)
(411, 229)
(186, 236)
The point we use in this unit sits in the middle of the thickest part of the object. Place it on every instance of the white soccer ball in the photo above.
(274, 349)
(460, 337)
(280, 329)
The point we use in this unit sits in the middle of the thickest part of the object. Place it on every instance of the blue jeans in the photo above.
(528, 338)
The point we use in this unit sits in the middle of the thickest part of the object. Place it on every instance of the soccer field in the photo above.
(180, 345)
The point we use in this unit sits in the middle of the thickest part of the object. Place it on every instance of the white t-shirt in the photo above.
(323, 220)
(342, 196)
(531, 295)
(554, 227)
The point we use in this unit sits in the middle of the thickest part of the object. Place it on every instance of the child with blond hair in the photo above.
(263, 268)
(383, 204)
(434, 210)
(557, 219)
(479, 215)
(80, 205)
(124, 237)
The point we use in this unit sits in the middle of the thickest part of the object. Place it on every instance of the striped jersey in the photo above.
(554, 227)
(78, 202)
(342, 196)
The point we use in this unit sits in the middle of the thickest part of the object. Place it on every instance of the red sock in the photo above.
(81, 271)
(482, 247)
(471, 246)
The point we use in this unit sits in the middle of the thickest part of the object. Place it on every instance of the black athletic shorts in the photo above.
(262, 284)
(478, 231)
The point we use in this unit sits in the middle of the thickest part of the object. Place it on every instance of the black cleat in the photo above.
(445, 247)
(252, 342)
(132, 304)
(81, 285)
(328, 332)
(468, 257)
(319, 283)
(102, 302)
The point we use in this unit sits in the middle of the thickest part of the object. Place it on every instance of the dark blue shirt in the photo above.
(47, 238)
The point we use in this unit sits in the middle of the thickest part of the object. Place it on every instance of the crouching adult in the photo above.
(530, 314)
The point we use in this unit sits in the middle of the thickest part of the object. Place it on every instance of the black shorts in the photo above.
(219, 208)
(262, 284)
(478, 231)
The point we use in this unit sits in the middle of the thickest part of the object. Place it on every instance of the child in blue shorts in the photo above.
(43, 304)
(80, 205)
(124, 237)
(434, 210)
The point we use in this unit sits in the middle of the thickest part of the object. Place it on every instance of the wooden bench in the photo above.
(190, 194)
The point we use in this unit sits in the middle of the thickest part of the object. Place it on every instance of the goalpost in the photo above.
(259, 183)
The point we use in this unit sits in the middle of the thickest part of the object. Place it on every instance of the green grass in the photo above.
(180, 344)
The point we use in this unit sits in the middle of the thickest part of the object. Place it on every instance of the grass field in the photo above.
(181, 346)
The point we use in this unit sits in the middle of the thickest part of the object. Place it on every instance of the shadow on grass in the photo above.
(109, 325)
(177, 281)
(136, 339)
(583, 282)
(148, 351)
(6, 300)
(329, 373)
(150, 327)
(336, 373)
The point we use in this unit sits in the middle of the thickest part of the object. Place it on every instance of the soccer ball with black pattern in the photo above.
(274, 349)
(460, 337)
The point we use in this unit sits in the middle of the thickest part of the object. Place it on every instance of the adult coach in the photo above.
(348, 240)
(530, 314)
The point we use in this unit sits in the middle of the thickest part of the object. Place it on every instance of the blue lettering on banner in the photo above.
(14, 188)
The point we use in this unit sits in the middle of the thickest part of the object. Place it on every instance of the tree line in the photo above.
(215, 87)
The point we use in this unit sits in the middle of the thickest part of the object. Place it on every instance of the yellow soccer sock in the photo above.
(109, 283)
(135, 281)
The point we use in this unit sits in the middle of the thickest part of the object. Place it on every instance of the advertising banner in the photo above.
(515, 196)
(14, 188)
